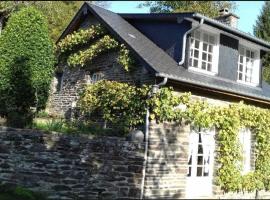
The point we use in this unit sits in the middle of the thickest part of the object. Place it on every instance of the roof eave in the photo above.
(232, 93)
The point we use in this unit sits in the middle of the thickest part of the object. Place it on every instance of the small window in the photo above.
(93, 78)
(203, 52)
(245, 141)
(59, 78)
(248, 66)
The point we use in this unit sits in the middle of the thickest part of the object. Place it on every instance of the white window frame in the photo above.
(193, 152)
(215, 51)
(255, 68)
(200, 180)
(93, 78)
(244, 137)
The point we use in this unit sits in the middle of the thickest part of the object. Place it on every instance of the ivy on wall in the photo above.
(81, 47)
(120, 101)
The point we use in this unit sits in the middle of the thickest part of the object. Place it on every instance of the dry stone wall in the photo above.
(71, 167)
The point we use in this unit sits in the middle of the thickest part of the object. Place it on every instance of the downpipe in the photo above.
(153, 91)
(185, 41)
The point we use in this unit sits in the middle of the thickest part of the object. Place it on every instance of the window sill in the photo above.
(202, 71)
(248, 84)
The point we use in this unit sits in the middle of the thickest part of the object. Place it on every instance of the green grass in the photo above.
(74, 127)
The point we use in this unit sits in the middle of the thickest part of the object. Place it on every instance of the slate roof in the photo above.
(159, 62)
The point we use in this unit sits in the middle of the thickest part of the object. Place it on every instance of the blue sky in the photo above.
(246, 10)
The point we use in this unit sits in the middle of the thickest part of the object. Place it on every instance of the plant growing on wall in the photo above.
(112, 98)
(81, 47)
(27, 51)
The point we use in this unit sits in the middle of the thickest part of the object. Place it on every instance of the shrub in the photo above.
(26, 63)
(120, 104)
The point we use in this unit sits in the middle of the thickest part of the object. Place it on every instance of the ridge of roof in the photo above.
(197, 15)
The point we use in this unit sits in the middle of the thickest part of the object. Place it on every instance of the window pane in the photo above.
(241, 68)
(209, 58)
(241, 59)
(200, 149)
(240, 76)
(200, 160)
(205, 173)
(204, 47)
(252, 54)
(199, 171)
(203, 65)
(196, 53)
(204, 56)
(248, 53)
(210, 49)
(190, 160)
(189, 171)
(195, 63)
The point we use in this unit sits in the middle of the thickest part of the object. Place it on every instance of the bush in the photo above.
(120, 104)
(26, 63)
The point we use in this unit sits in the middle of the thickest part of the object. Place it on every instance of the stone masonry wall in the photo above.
(71, 167)
(60, 102)
(167, 160)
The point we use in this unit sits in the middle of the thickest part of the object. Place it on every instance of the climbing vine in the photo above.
(81, 47)
(113, 98)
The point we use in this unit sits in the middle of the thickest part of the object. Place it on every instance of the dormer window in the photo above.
(203, 52)
(248, 66)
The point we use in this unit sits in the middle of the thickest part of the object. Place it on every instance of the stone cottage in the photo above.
(210, 58)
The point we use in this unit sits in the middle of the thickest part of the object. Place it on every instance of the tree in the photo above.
(262, 30)
(207, 8)
(26, 64)
(262, 27)
(58, 13)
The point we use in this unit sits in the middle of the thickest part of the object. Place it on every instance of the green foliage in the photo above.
(262, 27)
(266, 67)
(81, 58)
(74, 127)
(14, 193)
(81, 47)
(207, 8)
(58, 13)
(26, 62)
(121, 103)
(262, 30)
(79, 38)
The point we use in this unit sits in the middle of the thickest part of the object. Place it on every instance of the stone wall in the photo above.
(71, 167)
(167, 160)
(73, 81)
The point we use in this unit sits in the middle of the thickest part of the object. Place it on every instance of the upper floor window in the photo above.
(203, 52)
(248, 66)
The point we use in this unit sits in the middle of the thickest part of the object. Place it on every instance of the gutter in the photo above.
(153, 91)
(218, 89)
(185, 41)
